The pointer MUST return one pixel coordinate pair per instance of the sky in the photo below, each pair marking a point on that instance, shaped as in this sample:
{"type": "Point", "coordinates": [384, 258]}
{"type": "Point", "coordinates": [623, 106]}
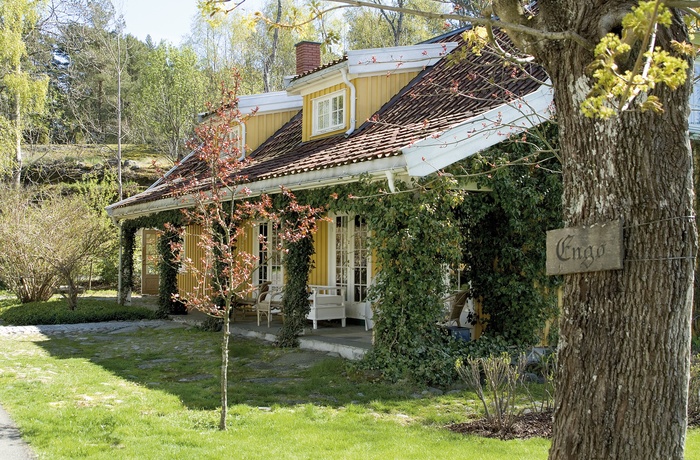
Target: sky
{"type": "Point", "coordinates": [162, 19]}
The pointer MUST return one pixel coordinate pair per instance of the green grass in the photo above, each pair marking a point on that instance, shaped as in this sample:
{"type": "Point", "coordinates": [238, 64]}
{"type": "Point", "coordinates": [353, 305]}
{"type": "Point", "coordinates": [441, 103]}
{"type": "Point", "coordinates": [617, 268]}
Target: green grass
{"type": "Point", "coordinates": [56, 311]}
{"type": "Point", "coordinates": [153, 394]}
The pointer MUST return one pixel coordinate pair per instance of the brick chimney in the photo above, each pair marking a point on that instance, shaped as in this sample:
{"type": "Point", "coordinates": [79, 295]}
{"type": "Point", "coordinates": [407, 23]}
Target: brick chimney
{"type": "Point", "coordinates": [308, 56]}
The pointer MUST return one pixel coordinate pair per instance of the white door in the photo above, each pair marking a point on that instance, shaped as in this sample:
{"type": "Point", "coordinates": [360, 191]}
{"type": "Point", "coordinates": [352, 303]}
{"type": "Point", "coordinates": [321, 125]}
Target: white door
{"type": "Point", "coordinates": [351, 263]}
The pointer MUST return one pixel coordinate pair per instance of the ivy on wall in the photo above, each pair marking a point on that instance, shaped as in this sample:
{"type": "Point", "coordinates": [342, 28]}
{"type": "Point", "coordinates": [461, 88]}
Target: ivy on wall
{"type": "Point", "coordinates": [129, 229]}
{"type": "Point", "coordinates": [295, 300]}
{"type": "Point", "coordinates": [506, 251]}
{"type": "Point", "coordinates": [413, 237]}
{"type": "Point", "coordinates": [128, 235]}
{"type": "Point", "coordinates": [168, 268]}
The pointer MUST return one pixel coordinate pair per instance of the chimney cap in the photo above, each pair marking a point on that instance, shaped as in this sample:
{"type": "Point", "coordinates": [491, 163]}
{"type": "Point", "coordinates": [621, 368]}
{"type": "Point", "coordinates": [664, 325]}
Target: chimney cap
{"type": "Point", "coordinates": [303, 42]}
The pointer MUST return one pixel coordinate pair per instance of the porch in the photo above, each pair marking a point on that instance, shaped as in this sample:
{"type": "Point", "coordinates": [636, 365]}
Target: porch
{"type": "Point", "coordinates": [349, 342]}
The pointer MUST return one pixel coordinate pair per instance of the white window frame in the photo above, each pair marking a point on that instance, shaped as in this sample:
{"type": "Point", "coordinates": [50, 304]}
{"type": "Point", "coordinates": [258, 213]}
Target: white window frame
{"type": "Point", "coordinates": [270, 268]}
{"type": "Point", "coordinates": [235, 140]}
{"type": "Point", "coordinates": [316, 113]}
{"type": "Point", "coordinates": [349, 258]}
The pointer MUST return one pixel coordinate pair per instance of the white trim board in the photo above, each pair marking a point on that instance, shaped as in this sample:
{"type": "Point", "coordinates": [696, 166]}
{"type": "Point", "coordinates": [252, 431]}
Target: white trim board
{"type": "Point", "coordinates": [440, 150]}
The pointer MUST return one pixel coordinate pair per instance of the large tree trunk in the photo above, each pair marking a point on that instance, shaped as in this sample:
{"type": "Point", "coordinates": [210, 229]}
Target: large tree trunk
{"type": "Point", "coordinates": [625, 334]}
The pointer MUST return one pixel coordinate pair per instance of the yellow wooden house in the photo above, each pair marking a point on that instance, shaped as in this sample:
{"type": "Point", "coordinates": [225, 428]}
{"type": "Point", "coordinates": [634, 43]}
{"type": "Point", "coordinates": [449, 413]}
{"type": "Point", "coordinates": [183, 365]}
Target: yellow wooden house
{"type": "Point", "coordinates": [389, 114]}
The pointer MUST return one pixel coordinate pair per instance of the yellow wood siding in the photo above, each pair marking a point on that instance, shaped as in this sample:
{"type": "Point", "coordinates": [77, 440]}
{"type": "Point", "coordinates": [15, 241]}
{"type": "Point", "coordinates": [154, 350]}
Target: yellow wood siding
{"type": "Point", "coordinates": [307, 122]}
{"type": "Point", "coordinates": [373, 92]}
{"type": "Point", "coordinates": [370, 95]}
{"type": "Point", "coordinates": [319, 272]}
{"type": "Point", "coordinates": [260, 127]}
{"type": "Point", "coordinates": [186, 281]}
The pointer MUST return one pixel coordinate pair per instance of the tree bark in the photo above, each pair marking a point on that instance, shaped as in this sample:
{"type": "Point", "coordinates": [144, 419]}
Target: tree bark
{"type": "Point", "coordinates": [225, 337]}
{"type": "Point", "coordinates": [624, 335]}
{"type": "Point", "coordinates": [17, 175]}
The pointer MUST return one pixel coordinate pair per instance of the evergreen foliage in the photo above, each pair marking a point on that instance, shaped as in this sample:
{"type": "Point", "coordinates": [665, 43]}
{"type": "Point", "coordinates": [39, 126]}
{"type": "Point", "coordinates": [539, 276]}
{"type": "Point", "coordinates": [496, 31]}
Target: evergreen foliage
{"type": "Point", "coordinates": [127, 264]}
{"type": "Point", "coordinates": [414, 236]}
{"type": "Point", "coordinates": [168, 267]}
{"type": "Point", "coordinates": [297, 265]}
{"type": "Point", "coordinates": [506, 250]}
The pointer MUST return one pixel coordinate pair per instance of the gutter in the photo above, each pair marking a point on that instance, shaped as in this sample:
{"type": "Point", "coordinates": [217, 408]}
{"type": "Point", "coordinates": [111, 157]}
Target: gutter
{"type": "Point", "coordinates": [343, 174]}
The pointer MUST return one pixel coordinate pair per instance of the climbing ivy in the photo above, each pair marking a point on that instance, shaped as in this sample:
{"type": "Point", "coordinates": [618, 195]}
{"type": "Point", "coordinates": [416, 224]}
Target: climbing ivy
{"type": "Point", "coordinates": [295, 301]}
{"type": "Point", "coordinates": [506, 251]}
{"type": "Point", "coordinates": [414, 236]}
{"type": "Point", "coordinates": [128, 235]}
{"type": "Point", "coordinates": [168, 268]}
{"type": "Point", "coordinates": [129, 229]}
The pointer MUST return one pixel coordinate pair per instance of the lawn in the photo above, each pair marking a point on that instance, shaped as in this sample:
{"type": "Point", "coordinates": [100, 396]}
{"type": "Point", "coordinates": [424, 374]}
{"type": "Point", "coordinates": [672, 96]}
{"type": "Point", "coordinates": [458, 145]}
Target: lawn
{"type": "Point", "coordinates": [153, 394]}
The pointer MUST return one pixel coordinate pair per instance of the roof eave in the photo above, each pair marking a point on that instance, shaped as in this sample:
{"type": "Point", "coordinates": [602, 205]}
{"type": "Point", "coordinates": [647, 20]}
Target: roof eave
{"type": "Point", "coordinates": [440, 150]}
{"type": "Point", "coordinates": [337, 175]}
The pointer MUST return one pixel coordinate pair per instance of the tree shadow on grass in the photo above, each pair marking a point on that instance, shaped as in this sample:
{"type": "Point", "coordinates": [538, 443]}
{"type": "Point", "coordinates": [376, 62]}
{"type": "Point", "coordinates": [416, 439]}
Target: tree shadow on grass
{"type": "Point", "coordinates": [186, 363]}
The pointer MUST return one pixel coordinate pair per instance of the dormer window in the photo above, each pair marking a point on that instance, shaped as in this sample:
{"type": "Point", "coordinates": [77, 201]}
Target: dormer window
{"type": "Point", "coordinates": [329, 113]}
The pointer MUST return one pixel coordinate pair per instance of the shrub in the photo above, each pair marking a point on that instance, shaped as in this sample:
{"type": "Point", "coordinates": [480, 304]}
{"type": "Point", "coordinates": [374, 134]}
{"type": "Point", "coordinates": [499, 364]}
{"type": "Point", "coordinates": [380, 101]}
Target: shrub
{"type": "Point", "coordinates": [211, 324]}
{"type": "Point", "coordinates": [694, 390]}
{"type": "Point", "coordinates": [545, 370]}
{"type": "Point", "coordinates": [57, 312]}
{"type": "Point", "coordinates": [499, 387]}
{"type": "Point", "coordinates": [47, 239]}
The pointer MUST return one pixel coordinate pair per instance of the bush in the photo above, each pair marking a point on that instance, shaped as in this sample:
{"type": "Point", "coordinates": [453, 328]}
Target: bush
{"type": "Point", "coordinates": [47, 240]}
{"type": "Point", "coordinates": [694, 390]}
{"type": "Point", "coordinates": [496, 382]}
{"type": "Point", "coordinates": [57, 312]}
{"type": "Point", "coordinates": [211, 324]}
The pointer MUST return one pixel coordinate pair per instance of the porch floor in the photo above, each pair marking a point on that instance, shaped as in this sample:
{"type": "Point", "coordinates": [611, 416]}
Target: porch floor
{"type": "Point", "coordinates": [350, 342]}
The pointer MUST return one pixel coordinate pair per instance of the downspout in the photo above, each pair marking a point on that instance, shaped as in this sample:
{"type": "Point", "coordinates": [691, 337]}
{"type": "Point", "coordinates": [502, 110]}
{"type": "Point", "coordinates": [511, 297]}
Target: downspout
{"type": "Point", "coordinates": [390, 179]}
{"type": "Point", "coordinates": [346, 80]}
{"type": "Point", "coordinates": [242, 140]}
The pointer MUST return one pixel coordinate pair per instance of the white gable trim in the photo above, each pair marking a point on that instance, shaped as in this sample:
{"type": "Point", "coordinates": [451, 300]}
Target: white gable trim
{"type": "Point", "coordinates": [439, 150]}
{"type": "Point", "coordinates": [373, 61]}
{"type": "Point", "coordinates": [278, 101]}
{"type": "Point", "coordinates": [397, 58]}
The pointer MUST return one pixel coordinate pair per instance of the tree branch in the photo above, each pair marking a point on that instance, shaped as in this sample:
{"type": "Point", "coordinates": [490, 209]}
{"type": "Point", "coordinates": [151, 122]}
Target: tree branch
{"type": "Point", "coordinates": [682, 3]}
{"type": "Point", "coordinates": [518, 28]}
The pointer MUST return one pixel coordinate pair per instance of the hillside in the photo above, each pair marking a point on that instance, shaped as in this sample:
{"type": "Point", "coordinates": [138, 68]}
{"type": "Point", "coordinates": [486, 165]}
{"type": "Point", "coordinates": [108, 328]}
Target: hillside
{"type": "Point", "coordinates": [71, 163]}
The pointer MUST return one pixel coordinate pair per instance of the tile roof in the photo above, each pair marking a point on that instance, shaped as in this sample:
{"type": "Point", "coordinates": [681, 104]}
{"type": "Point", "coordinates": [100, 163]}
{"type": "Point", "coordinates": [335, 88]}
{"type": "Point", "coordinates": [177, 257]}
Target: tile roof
{"type": "Point", "coordinates": [454, 90]}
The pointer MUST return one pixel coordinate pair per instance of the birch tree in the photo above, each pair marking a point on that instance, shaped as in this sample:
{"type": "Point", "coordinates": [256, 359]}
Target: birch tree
{"type": "Point", "coordinates": [21, 92]}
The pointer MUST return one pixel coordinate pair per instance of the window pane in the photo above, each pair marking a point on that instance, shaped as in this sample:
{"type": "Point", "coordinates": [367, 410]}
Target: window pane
{"type": "Point", "coordinates": [323, 117]}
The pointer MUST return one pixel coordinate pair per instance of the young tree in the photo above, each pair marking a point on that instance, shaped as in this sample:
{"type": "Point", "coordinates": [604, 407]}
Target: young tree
{"type": "Point", "coordinates": [220, 205]}
{"type": "Point", "coordinates": [21, 92]}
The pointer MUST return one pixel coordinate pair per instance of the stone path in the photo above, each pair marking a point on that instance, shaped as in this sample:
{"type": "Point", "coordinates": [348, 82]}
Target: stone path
{"type": "Point", "coordinates": [11, 445]}
{"type": "Point", "coordinates": [108, 326]}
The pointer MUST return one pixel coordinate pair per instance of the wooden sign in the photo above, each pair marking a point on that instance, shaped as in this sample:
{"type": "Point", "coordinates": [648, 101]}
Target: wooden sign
{"type": "Point", "coordinates": [585, 249]}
